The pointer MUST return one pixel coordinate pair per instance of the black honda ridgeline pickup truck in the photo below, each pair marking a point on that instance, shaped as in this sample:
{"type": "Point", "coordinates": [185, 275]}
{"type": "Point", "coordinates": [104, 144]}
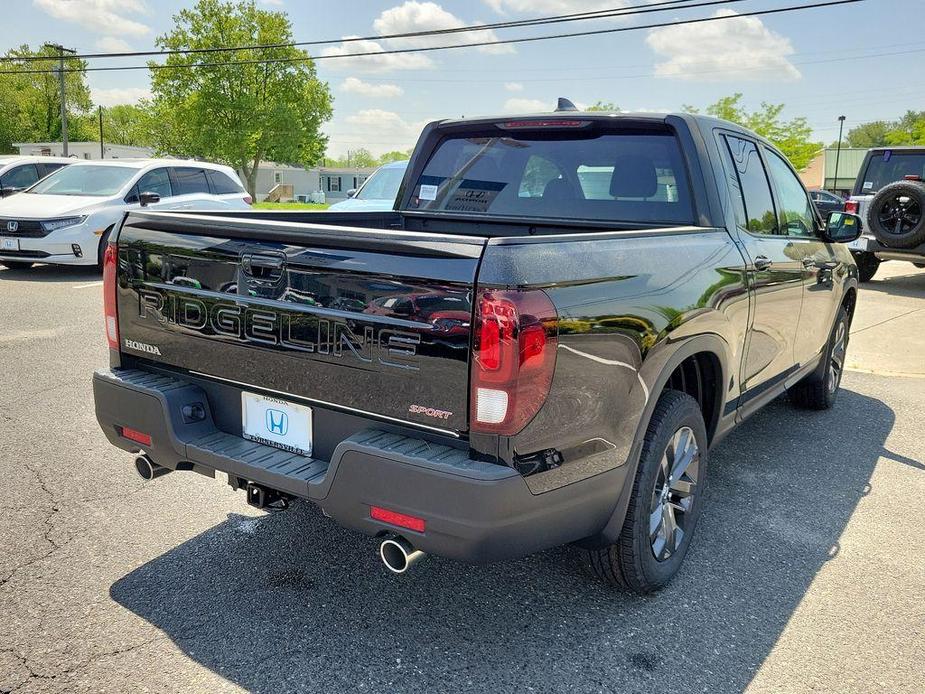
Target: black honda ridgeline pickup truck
{"type": "Point", "coordinates": [540, 344]}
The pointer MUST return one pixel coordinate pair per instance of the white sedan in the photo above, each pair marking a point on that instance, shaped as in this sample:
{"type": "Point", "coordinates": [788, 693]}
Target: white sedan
{"type": "Point", "coordinates": [66, 218]}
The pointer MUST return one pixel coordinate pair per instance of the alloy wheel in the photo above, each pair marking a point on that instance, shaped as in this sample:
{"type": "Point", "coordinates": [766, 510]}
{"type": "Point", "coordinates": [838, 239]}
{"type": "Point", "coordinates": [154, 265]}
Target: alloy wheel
{"type": "Point", "coordinates": [673, 495]}
{"type": "Point", "coordinates": [900, 214]}
{"type": "Point", "coordinates": [837, 360]}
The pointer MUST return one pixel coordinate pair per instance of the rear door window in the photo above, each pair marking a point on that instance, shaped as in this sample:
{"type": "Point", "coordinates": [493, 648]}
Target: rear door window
{"type": "Point", "coordinates": [222, 184]}
{"type": "Point", "coordinates": [190, 181]}
{"type": "Point", "coordinates": [629, 177]}
{"type": "Point", "coordinates": [756, 213]}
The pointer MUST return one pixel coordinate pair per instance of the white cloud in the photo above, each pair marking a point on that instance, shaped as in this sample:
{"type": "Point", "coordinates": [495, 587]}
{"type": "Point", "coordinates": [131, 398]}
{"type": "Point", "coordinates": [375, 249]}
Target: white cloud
{"type": "Point", "coordinates": [415, 16]}
{"type": "Point", "coordinates": [514, 86]}
{"type": "Point", "coordinates": [118, 95]}
{"type": "Point", "coordinates": [375, 63]}
{"type": "Point", "coordinates": [373, 129]}
{"type": "Point", "coordinates": [376, 91]}
{"type": "Point", "coordinates": [110, 44]}
{"type": "Point", "coordinates": [412, 16]}
{"type": "Point", "coordinates": [519, 105]}
{"type": "Point", "coordinates": [100, 16]}
{"type": "Point", "coordinates": [275, 3]}
{"type": "Point", "coordinates": [741, 49]}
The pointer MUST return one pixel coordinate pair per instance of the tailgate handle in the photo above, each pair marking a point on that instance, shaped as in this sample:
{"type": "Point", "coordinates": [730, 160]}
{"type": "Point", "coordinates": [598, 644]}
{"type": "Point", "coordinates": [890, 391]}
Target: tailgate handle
{"type": "Point", "coordinates": [263, 266]}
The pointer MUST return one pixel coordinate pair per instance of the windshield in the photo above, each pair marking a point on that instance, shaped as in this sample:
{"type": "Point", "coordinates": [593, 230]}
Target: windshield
{"type": "Point", "coordinates": [85, 180]}
{"type": "Point", "coordinates": [890, 166]}
{"type": "Point", "coordinates": [618, 177]}
{"type": "Point", "coordinates": [382, 185]}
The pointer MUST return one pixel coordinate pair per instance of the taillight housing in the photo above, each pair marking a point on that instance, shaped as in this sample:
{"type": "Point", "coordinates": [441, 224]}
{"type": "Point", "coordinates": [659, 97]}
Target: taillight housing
{"type": "Point", "coordinates": [513, 358]}
{"type": "Point", "coordinates": [852, 206]}
{"type": "Point", "coordinates": [110, 269]}
{"type": "Point", "coordinates": [248, 200]}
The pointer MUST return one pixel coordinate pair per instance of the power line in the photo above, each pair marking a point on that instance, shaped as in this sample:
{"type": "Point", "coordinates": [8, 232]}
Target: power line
{"type": "Point", "coordinates": [661, 6]}
{"type": "Point", "coordinates": [427, 49]}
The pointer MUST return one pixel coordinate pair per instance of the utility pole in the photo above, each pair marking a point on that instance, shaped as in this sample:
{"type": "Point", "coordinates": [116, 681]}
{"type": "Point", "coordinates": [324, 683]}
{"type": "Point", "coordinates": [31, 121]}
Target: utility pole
{"type": "Point", "coordinates": [100, 111]}
{"type": "Point", "coordinates": [841, 125]}
{"type": "Point", "coordinates": [61, 86]}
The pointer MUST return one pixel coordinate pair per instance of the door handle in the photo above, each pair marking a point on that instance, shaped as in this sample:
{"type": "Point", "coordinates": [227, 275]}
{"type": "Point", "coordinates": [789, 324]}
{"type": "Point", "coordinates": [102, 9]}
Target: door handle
{"type": "Point", "coordinates": [763, 262]}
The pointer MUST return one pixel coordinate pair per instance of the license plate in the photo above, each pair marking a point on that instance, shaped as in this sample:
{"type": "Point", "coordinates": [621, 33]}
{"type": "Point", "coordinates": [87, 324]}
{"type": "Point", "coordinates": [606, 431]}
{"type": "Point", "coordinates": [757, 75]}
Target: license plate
{"type": "Point", "coordinates": [859, 244]}
{"type": "Point", "coordinates": [278, 423]}
{"type": "Point", "coordinates": [9, 244]}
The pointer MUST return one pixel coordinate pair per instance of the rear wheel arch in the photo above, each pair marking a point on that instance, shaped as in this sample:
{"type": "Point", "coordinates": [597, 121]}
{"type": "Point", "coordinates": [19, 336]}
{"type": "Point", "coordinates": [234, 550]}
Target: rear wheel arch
{"type": "Point", "coordinates": [707, 350]}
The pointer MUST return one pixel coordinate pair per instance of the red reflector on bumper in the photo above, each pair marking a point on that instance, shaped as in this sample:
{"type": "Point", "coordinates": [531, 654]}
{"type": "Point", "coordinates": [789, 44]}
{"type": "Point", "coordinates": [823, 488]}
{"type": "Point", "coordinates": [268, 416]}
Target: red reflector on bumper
{"type": "Point", "coordinates": [136, 436]}
{"type": "Point", "coordinates": [395, 518]}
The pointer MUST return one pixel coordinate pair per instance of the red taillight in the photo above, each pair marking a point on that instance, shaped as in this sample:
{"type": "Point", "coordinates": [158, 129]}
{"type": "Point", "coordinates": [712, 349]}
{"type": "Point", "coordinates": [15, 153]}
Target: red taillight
{"type": "Point", "coordinates": [912, 177]}
{"type": "Point", "coordinates": [519, 124]}
{"type": "Point", "coordinates": [513, 359]}
{"type": "Point", "coordinates": [852, 206]}
{"type": "Point", "coordinates": [110, 267]}
{"type": "Point", "coordinates": [248, 199]}
{"type": "Point", "coordinates": [136, 436]}
{"type": "Point", "coordinates": [395, 518]}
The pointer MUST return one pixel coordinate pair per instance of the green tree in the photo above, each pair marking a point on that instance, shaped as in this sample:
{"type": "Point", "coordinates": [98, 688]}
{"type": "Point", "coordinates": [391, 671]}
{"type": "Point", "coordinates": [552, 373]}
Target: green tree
{"type": "Point", "coordinates": [30, 100]}
{"type": "Point", "coordinates": [868, 135]}
{"type": "Point", "coordinates": [792, 137]}
{"type": "Point", "coordinates": [245, 113]}
{"type": "Point", "coordinates": [127, 124]}
{"type": "Point", "coordinates": [603, 106]}
{"type": "Point", "coordinates": [395, 156]}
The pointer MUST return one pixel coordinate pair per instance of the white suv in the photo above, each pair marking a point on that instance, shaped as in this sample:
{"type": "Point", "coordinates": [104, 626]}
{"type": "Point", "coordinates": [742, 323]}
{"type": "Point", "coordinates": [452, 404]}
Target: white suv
{"type": "Point", "coordinates": [66, 218]}
{"type": "Point", "coordinates": [18, 173]}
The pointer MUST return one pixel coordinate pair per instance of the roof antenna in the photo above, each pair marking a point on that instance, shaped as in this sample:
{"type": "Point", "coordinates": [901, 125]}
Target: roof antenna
{"type": "Point", "coordinates": [565, 105]}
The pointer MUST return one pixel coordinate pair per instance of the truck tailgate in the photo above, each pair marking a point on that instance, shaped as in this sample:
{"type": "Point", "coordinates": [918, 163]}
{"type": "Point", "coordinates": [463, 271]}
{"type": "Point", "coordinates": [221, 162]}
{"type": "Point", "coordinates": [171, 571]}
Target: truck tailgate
{"type": "Point", "coordinates": [369, 321]}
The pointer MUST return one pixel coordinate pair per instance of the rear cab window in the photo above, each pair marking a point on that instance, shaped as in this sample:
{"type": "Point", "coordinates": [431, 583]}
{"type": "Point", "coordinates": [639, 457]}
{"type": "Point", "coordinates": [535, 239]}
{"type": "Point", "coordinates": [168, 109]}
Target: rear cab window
{"type": "Point", "coordinates": [888, 166]}
{"type": "Point", "coordinates": [589, 172]}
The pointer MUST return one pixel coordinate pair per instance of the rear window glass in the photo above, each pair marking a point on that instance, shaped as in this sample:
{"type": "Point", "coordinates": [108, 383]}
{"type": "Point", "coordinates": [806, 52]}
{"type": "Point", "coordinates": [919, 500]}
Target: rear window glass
{"type": "Point", "coordinates": [888, 167]}
{"type": "Point", "coordinates": [631, 177]}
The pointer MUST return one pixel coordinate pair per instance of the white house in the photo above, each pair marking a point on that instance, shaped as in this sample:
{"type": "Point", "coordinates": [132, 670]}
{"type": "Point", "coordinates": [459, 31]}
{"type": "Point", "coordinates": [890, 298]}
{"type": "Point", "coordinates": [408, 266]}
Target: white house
{"type": "Point", "coordinates": [309, 185]}
{"type": "Point", "coordinates": [83, 150]}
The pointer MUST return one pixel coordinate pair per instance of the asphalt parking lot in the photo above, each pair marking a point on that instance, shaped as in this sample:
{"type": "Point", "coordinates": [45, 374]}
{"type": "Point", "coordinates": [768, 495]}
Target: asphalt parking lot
{"type": "Point", "coordinates": [807, 573]}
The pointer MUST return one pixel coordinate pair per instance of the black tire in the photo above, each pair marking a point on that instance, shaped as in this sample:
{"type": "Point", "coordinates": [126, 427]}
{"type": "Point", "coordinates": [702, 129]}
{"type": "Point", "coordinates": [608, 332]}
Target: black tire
{"type": "Point", "coordinates": [896, 215]}
{"type": "Point", "coordinates": [16, 264]}
{"type": "Point", "coordinates": [867, 264]}
{"type": "Point", "coordinates": [819, 390]}
{"type": "Point", "coordinates": [631, 561]}
{"type": "Point", "coordinates": [101, 249]}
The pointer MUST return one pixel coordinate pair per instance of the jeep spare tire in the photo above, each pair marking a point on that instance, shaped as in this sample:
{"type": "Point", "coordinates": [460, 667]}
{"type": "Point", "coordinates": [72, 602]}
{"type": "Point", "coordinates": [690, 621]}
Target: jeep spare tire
{"type": "Point", "coordinates": [895, 215]}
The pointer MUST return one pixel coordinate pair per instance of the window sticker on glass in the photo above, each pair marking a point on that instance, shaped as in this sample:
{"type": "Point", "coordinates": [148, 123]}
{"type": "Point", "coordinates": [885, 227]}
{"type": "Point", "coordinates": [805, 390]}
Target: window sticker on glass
{"type": "Point", "coordinates": [868, 185]}
{"type": "Point", "coordinates": [474, 196]}
{"type": "Point", "coordinates": [428, 193]}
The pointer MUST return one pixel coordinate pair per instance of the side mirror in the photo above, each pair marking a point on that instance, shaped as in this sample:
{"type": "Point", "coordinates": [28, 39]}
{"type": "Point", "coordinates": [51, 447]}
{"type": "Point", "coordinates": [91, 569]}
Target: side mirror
{"type": "Point", "coordinates": [351, 193]}
{"type": "Point", "coordinates": [148, 199]}
{"type": "Point", "coordinates": [841, 227]}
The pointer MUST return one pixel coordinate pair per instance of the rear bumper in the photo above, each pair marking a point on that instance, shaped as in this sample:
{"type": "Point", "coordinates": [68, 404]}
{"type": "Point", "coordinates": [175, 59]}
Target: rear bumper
{"type": "Point", "coordinates": [475, 511]}
{"type": "Point", "coordinates": [912, 255]}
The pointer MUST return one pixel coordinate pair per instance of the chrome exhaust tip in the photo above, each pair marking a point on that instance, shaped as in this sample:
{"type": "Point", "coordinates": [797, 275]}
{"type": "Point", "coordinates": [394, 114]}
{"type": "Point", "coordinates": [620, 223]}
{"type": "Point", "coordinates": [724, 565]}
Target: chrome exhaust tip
{"type": "Point", "coordinates": [148, 469]}
{"type": "Point", "coordinates": [398, 554]}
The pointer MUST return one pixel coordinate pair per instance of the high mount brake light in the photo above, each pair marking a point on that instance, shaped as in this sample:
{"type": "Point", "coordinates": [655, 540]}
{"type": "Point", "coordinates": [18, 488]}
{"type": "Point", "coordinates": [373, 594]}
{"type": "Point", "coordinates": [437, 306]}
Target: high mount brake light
{"type": "Point", "coordinates": [514, 358]}
{"type": "Point", "coordinates": [110, 268]}
{"type": "Point", "coordinates": [518, 124]}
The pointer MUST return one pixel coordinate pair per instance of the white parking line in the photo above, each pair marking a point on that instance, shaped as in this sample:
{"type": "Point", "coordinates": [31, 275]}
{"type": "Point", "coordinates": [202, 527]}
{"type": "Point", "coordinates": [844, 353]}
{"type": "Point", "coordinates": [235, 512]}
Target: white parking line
{"type": "Point", "coordinates": [87, 286]}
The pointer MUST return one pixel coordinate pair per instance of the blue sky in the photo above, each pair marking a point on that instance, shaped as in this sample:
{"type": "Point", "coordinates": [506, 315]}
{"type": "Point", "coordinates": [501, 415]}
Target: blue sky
{"type": "Point", "coordinates": [863, 60]}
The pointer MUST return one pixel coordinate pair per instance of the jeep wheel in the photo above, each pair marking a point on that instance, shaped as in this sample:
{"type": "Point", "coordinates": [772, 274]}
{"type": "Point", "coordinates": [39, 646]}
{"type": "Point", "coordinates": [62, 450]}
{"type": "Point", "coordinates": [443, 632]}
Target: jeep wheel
{"type": "Point", "coordinates": [867, 264]}
{"type": "Point", "coordinates": [896, 215]}
{"type": "Point", "coordinates": [15, 264]}
{"type": "Point", "coordinates": [819, 390]}
{"type": "Point", "coordinates": [665, 503]}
